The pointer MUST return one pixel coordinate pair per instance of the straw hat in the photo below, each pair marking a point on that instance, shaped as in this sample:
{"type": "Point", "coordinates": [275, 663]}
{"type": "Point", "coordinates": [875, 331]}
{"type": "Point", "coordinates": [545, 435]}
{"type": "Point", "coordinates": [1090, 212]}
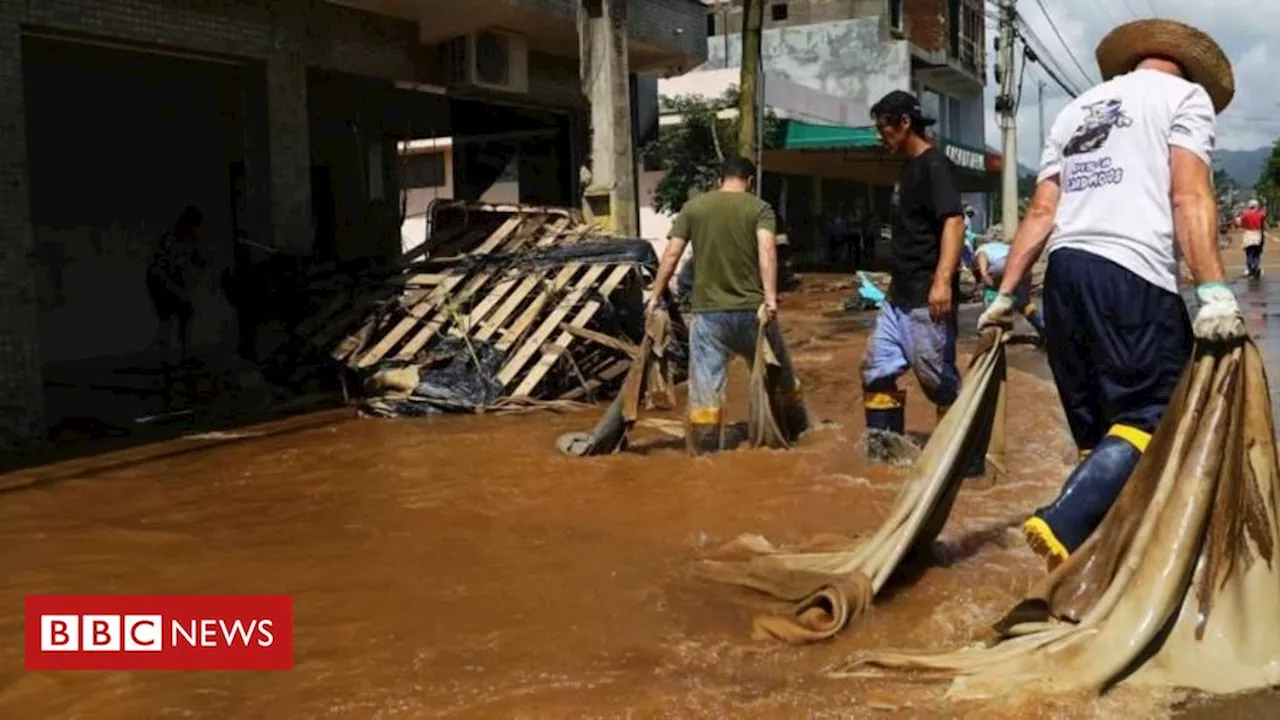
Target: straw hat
{"type": "Point", "coordinates": [1204, 62]}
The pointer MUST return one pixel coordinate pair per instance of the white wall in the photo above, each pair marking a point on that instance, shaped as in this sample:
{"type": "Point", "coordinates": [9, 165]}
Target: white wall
{"type": "Point", "coordinates": [413, 231]}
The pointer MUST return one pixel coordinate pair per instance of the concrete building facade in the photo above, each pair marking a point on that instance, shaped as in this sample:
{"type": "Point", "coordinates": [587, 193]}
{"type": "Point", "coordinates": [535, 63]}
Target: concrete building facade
{"type": "Point", "coordinates": [280, 119]}
{"type": "Point", "coordinates": [847, 54]}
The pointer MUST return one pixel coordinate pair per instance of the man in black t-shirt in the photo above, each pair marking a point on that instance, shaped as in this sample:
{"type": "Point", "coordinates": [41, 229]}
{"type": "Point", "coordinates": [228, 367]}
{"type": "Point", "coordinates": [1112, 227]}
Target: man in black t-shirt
{"type": "Point", "coordinates": [916, 328]}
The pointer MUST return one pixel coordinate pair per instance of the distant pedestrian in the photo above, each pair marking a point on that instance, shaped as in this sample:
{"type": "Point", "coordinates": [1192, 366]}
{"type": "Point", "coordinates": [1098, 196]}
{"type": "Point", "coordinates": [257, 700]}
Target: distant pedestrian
{"type": "Point", "coordinates": [1253, 221]}
{"type": "Point", "coordinates": [989, 266]}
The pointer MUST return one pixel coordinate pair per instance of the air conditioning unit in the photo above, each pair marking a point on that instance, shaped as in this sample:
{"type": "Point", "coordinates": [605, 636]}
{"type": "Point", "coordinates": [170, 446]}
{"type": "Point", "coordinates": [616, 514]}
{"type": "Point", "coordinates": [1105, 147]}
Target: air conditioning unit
{"type": "Point", "coordinates": [489, 59]}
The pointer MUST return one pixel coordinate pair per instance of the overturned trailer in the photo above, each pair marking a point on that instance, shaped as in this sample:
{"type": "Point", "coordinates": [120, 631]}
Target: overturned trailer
{"type": "Point", "coordinates": [503, 307]}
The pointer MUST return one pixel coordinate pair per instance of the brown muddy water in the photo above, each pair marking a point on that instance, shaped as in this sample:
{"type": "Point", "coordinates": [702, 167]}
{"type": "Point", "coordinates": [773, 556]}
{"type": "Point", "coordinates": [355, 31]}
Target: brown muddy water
{"type": "Point", "coordinates": [460, 567]}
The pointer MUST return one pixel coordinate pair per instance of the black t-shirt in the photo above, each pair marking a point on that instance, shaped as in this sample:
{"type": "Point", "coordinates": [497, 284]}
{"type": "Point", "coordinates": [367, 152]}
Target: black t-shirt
{"type": "Point", "coordinates": [925, 196]}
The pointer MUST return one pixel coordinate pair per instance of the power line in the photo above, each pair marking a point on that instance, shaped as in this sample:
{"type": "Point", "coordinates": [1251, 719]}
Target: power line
{"type": "Point", "coordinates": [1054, 27]}
{"type": "Point", "coordinates": [1046, 59]}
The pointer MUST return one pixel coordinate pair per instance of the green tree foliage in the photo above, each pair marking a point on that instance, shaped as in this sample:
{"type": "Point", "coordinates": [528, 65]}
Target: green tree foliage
{"type": "Point", "coordinates": [1268, 185]}
{"type": "Point", "coordinates": [690, 153]}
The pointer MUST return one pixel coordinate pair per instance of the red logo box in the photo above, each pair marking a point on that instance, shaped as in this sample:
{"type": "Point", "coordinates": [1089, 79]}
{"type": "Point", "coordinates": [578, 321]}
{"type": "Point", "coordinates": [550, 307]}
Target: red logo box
{"type": "Point", "coordinates": [159, 632]}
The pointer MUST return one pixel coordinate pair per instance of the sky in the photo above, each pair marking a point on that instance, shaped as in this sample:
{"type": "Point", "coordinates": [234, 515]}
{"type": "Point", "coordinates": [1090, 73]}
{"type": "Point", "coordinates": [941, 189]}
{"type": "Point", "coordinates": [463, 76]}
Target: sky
{"type": "Point", "coordinates": [1241, 27]}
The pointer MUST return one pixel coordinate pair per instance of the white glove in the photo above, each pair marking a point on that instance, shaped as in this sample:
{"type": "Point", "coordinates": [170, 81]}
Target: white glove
{"type": "Point", "coordinates": [1219, 318]}
{"type": "Point", "coordinates": [998, 314]}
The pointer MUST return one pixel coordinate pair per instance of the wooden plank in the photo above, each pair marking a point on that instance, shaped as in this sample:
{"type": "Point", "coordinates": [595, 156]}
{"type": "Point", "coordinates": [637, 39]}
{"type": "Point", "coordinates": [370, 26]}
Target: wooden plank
{"type": "Point", "coordinates": [588, 311]}
{"type": "Point", "coordinates": [488, 327]}
{"type": "Point", "coordinates": [443, 316]}
{"type": "Point", "coordinates": [553, 236]}
{"type": "Point", "coordinates": [580, 288]}
{"type": "Point", "coordinates": [437, 297]}
{"type": "Point", "coordinates": [608, 341]}
{"type": "Point", "coordinates": [613, 372]}
{"type": "Point", "coordinates": [564, 281]}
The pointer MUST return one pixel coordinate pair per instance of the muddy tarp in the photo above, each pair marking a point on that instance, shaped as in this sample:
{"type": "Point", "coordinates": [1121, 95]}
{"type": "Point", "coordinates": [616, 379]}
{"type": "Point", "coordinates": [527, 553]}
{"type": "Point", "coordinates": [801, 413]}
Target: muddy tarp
{"type": "Point", "coordinates": [777, 414]}
{"type": "Point", "coordinates": [610, 433]}
{"type": "Point", "coordinates": [835, 579]}
{"type": "Point", "coordinates": [1179, 584]}
{"type": "Point", "coordinates": [777, 418]}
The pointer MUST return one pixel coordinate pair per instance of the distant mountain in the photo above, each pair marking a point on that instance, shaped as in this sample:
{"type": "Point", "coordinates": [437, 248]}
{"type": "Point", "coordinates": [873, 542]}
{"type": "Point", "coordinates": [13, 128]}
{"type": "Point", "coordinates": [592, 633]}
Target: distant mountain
{"type": "Point", "coordinates": [1244, 166]}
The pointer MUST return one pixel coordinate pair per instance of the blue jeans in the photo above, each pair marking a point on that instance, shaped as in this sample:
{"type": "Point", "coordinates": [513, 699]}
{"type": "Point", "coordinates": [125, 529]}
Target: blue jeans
{"type": "Point", "coordinates": [714, 338]}
{"type": "Point", "coordinates": [910, 340]}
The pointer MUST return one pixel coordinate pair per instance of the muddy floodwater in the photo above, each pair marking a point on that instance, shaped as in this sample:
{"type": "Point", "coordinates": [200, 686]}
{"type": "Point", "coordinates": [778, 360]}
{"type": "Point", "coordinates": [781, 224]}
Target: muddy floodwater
{"type": "Point", "coordinates": [460, 567]}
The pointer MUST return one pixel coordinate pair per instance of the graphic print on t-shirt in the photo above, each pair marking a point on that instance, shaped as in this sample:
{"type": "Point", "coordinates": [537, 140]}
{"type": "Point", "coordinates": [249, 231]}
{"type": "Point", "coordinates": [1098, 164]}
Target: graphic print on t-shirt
{"type": "Point", "coordinates": [1093, 134]}
{"type": "Point", "coordinates": [1089, 137]}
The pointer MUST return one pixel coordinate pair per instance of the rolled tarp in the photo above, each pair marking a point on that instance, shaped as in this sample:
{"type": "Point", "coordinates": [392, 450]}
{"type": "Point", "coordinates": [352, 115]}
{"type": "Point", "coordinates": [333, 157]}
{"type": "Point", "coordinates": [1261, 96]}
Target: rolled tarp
{"type": "Point", "coordinates": [610, 433]}
{"type": "Point", "coordinates": [777, 415]}
{"type": "Point", "coordinates": [833, 580]}
{"type": "Point", "coordinates": [1179, 584]}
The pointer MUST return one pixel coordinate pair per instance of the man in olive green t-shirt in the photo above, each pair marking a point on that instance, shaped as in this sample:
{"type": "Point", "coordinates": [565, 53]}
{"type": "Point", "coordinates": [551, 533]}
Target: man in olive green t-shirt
{"type": "Point", "coordinates": [735, 257]}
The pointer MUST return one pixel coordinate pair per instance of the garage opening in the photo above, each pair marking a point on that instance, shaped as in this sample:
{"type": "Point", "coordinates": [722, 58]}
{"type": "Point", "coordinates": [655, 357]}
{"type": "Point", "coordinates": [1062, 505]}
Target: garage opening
{"type": "Point", "coordinates": [120, 141]}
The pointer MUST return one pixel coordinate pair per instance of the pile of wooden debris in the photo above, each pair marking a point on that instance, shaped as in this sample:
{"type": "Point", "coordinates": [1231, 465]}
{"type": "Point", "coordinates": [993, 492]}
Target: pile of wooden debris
{"type": "Point", "coordinates": [503, 307]}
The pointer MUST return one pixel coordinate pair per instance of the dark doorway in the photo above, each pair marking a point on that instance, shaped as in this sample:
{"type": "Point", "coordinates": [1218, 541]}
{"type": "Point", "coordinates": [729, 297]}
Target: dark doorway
{"type": "Point", "coordinates": [119, 142]}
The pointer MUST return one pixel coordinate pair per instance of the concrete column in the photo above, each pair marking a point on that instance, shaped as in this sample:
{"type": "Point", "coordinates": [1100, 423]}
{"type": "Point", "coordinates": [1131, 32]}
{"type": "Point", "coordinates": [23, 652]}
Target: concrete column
{"type": "Point", "coordinates": [287, 123]}
{"type": "Point", "coordinates": [605, 73]}
{"type": "Point", "coordinates": [21, 381]}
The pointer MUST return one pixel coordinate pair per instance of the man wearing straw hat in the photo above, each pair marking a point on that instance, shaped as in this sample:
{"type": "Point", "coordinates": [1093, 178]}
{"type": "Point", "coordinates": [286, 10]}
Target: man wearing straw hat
{"type": "Point", "coordinates": [1124, 191]}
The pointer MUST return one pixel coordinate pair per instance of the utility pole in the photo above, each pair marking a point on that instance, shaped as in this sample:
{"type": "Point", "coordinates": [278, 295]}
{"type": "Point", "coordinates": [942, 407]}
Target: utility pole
{"type": "Point", "coordinates": [1040, 107]}
{"type": "Point", "coordinates": [605, 73]}
{"type": "Point", "coordinates": [748, 98]}
{"type": "Point", "coordinates": [1006, 106]}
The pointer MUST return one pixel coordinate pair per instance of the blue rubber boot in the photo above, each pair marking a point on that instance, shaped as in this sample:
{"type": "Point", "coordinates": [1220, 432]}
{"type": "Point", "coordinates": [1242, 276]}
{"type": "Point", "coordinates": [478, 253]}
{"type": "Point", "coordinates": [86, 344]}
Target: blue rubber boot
{"type": "Point", "coordinates": [1060, 528]}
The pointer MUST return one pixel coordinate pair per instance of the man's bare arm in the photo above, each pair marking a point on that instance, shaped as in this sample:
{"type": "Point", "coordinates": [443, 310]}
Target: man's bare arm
{"type": "Point", "coordinates": [767, 251]}
{"type": "Point", "coordinates": [1032, 234]}
{"type": "Point", "coordinates": [1195, 215]}
{"type": "Point", "coordinates": [949, 253]}
{"type": "Point", "coordinates": [984, 267]}
{"type": "Point", "coordinates": [667, 268]}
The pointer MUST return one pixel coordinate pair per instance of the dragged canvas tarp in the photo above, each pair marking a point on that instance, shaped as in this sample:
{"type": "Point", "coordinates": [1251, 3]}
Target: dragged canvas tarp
{"type": "Point", "coordinates": [610, 433]}
{"type": "Point", "coordinates": [777, 416]}
{"type": "Point", "coordinates": [835, 579]}
{"type": "Point", "coordinates": [1179, 585]}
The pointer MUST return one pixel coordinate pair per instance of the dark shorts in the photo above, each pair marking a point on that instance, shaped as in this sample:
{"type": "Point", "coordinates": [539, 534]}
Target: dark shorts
{"type": "Point", "coordinates": [1117, 344]}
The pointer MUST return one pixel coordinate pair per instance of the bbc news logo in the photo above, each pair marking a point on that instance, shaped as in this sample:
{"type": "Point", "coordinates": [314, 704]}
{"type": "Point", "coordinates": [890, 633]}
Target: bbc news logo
{"type": "Point", "coordinates": [159, 632]}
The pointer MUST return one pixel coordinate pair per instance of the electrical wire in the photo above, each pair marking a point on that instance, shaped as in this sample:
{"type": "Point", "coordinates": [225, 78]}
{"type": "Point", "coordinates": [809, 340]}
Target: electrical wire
{"type": "Point", "coordinates": [1054, 27]}
{"type": "Point", "coordinates": [1041, 49]}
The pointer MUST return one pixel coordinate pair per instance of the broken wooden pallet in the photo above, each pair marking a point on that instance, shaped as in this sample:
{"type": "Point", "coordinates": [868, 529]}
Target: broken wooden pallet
{"type": "Point", "coordinates": [498, 287]}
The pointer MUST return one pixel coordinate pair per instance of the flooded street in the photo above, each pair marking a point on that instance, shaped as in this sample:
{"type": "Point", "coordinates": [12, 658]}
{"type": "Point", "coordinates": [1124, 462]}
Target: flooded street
{"type": "Point", "coordinates": [461, 567]}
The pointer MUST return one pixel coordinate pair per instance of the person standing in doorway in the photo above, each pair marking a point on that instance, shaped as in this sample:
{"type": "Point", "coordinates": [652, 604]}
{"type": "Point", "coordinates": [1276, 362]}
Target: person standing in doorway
{"type": "Point", "coordinates": [170, 279]}
{"type": "Point", "coordinates": [916, 328]}
{"type": "Point", "coordinates": [735, 282]}
{"type": "Point", "coordinates": [1253, 222]}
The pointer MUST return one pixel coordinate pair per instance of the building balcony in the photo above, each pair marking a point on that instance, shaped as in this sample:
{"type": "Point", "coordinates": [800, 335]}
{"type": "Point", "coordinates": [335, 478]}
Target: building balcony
{"type": "Point", "coordinates": [668, 37]}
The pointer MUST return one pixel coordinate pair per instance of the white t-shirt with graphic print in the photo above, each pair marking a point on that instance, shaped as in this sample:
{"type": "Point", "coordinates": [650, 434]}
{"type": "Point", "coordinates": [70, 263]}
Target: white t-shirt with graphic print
{"type": "Point", "coordinates": [1110, 151]}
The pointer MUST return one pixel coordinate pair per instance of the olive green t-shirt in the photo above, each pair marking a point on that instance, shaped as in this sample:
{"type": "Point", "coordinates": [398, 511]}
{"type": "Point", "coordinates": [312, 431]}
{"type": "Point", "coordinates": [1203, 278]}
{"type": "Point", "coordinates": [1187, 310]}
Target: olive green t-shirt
{"type": "Point", "coordinates": [726, 265]}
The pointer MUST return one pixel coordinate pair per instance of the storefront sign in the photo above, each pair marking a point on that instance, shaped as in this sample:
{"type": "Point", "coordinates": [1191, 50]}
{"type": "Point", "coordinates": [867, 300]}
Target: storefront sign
{"type": "Point", "coordinates": [965, 158]}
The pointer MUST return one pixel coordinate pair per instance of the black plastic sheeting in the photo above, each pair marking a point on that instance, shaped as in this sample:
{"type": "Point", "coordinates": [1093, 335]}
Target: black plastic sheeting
{"type": "Point", "coordinates": [614, 251]}
{"type": "Point", "coordinates": [453, 381]}
{"type": "Point", "coordinates": [455, 384]}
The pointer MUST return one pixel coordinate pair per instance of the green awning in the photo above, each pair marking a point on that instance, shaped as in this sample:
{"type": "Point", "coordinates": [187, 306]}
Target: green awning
{"type": "Point", "coordinates": [810, 136]}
